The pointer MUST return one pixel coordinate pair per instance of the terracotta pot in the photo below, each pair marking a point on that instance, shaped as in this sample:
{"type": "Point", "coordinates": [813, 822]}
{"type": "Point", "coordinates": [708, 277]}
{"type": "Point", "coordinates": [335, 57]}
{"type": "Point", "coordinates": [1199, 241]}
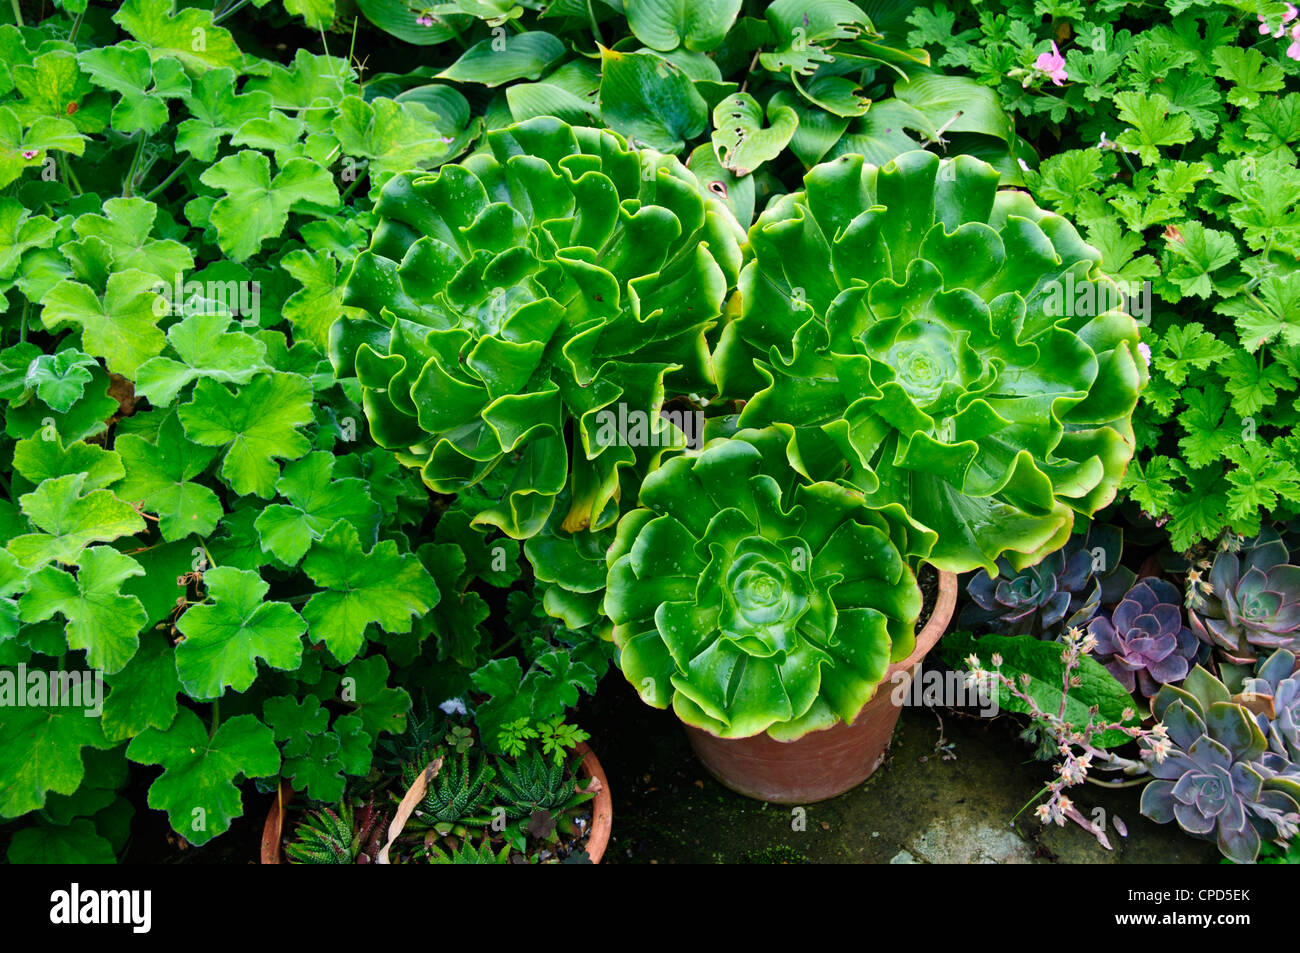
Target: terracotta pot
{"type": "Point", "coordinates": [602, 814]}
{"type": "Point", "coordinates": [823, 763]}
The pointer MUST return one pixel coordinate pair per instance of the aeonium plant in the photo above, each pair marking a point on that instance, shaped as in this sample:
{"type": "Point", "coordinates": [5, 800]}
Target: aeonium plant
{"type": "Point", "coordinates": [518, 313]}
{"type": "Point", "coordinates": [751, 599]}
{"type": "Point", "coordinates": [956, 345]}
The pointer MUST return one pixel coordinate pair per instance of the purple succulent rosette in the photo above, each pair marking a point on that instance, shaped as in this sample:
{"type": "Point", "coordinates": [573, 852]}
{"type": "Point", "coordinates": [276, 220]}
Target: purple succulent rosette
{"type": "Point", "coordinates": [1062, 591]}
{"type": "Point", "coordinates": [1209, 773]}
{"type": "Point", "coordinates": [1252, 602]}
{"type": "Point", "coordinates": [1144, 642]}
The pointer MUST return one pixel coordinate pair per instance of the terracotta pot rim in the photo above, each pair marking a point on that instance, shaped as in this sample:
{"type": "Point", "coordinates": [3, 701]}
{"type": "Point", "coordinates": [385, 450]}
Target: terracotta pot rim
{"type": "Point", "coordinates": [935, 628]}
{"type": "Point", "coordinates": [602, 813]}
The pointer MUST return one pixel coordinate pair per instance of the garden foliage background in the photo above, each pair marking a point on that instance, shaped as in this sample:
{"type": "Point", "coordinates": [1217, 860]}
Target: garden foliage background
{"type": "Point", "coordinates": [193, 505]}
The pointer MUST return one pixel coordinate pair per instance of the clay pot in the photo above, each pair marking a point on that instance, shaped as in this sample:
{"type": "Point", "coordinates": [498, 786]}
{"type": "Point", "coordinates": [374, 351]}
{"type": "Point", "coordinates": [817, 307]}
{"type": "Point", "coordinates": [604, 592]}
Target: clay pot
{"type": "Point", "coordinates": [821, 764]}
{"type": "Point", "coordinates": [602, 814]}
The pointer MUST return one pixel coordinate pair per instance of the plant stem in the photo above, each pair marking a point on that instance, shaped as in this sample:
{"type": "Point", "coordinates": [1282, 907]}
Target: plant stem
{"type": "Point", "coordinates": [18, 14]}
{"type": "Point", "coordinates": [128, 187]}
{"type": "Point", "coordinates": [76, 27]}
{"type": "Point", "coordinates": [227, 12]}
{"type": "Point", "coordinates": [216, 719]}
{"type": "Point", "coordinates": [161, 186]}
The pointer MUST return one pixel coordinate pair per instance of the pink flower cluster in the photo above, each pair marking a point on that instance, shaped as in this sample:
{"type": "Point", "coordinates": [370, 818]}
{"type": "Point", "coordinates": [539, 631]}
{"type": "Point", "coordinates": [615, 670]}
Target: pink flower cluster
{"type": "Point", "coordinates": [1293, 50]}
{"type": "Point", "coordinates": [1053, 64]}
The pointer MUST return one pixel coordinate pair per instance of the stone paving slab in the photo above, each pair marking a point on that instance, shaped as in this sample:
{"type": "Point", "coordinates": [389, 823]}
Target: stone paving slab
{"type": "Point", "coordinates": [920, 807]}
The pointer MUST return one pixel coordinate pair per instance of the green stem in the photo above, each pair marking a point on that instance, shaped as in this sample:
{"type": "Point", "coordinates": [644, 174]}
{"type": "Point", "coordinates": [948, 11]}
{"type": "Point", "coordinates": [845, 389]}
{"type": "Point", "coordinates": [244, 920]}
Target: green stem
{"type": "Point", "coordinates": [128, 187]}
{"type": "Point", "coordinates": [595, 27]}
{"type": "Point", "coordinates": [160, 187]}
{"type": "Point", "coordinates": [76, 27]}
{"type": "Point", "coordinates": [227, 12]}
{"type": "Point", "coordinates": [348, 191]}
{"type": "Point", "coordinates": [216, 719]}
{"type": "Point", "coordinates": [18, 14]}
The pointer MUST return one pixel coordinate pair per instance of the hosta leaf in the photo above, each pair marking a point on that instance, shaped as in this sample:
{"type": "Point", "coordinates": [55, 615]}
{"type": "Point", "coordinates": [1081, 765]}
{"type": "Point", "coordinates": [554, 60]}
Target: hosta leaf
{"type": "Point", "coordinates": [197, 787]}
{"type": "Point", "coordinates": [667, 24]}
{"type": "Point", "coordinates": [159, 475]}
{"type": "Point", "coordinates": [121, 327]}
{"type": "Point", "coordinates": [207, 348]}
{"type": "Point", "coordinates": [741, 141]}
{"type": "Point", "coordinates": [226, 636]}
{"type": "Point", "coordinates": [257, 425]}
{"type": "Point", "coordinates": [70, 520]}
{"type": "Point", "coordinates": [650, 100]}
{"type": "Point", "coordinates": [502, 59]}
{"type": "Point", "coordinates": [384, 586]}
{"type": "Point", "coordinates": [102, 621]}
{"type": "Point", "coordinates": [256, 207]}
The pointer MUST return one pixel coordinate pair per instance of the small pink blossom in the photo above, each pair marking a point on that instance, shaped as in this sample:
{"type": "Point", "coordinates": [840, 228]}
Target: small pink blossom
{"type": "Point", "coordinates": [1053, 64]}
{"type": "Point", "coordinates": [30, 153]}
{"type": "Point", "coordinates": [1293, 50]}
{"type": "Point", "coordinates": [424, 20]}
{"type": "Point", "coordinates": [1145, 350]}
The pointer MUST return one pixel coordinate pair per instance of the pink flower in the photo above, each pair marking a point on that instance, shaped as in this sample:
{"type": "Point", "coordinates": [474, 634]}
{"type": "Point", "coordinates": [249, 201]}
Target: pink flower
{"type": "Point", "coordinates": [1053, 64]}
{"type": "Point", "coordinates": [1145, 350]}
{"type": "Point", "coordinates": [1291, 14]}
{"type": "Point", "coordinates": [30, 153]}
{"type": "Point", "coordinates": [1293, 50]}
{"type": "Point", "coordinates": [424, 20]}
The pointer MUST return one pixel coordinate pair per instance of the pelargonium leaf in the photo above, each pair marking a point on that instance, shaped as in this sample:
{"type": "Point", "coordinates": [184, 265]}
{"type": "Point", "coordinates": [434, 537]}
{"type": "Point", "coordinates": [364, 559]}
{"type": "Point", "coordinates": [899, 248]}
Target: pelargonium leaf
{"type": "Point", "coordinates": [226, 637]}
{"type": "Point", "coordinates": [197, 786]}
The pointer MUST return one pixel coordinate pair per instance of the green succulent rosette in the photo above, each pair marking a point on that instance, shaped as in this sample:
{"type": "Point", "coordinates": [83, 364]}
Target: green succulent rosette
{"type": "Point", "coordinates": [752, 600]}
{"type": "Point", "coordinates": [956, 345]}
{"type": "Point", "coordinates": [507, 301]}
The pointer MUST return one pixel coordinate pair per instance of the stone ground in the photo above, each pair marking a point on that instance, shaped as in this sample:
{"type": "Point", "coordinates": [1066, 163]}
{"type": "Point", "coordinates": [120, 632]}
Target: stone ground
{"type": "Point", "coordinates": [919, 807]}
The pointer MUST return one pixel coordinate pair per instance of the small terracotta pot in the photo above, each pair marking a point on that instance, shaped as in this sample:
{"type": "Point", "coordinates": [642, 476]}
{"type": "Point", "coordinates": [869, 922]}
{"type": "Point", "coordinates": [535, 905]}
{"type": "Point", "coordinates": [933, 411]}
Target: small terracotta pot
{"type": "Point", "coordinates": [602, 814]}
{"type": "Point", "coordinates": [821, 764]}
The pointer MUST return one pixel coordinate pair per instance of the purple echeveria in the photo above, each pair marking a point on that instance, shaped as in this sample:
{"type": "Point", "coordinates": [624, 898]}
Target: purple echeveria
{"type": "Point", "coordinates": [1144, 642]}
{"type": "Point", "coordinates": [1252, 602]}
{"type": "Point", "coordinates": [1208, 773]}
{"type": "Point", "coordinates": [1064, 590]}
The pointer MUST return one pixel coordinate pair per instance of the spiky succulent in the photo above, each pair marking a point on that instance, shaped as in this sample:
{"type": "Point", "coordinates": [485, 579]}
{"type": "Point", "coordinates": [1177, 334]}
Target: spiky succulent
{"type": "Point", "coordinates": [507, 301]}
{"type": "Point", "coordinates": [751, 600]}
{"type": "Point", "coordinates": [460, 793]}
{"type": "Point", "coordinates": [1062, 591]}
{"type": "Point", "coordinates": [1210, 778]}
{"type": "Point", "coordinates": [327, 836]}
{"type": "Point", "coordinates": [1143, 641]}
{"type": "Point", "coordinates": [1250, 602]}
{"type": "Point", "coordinates": [466, 853]}
{"type": "Point", "coordinates": [533, 782]}
{"type": "Point", "coordinates": [925, 327]}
